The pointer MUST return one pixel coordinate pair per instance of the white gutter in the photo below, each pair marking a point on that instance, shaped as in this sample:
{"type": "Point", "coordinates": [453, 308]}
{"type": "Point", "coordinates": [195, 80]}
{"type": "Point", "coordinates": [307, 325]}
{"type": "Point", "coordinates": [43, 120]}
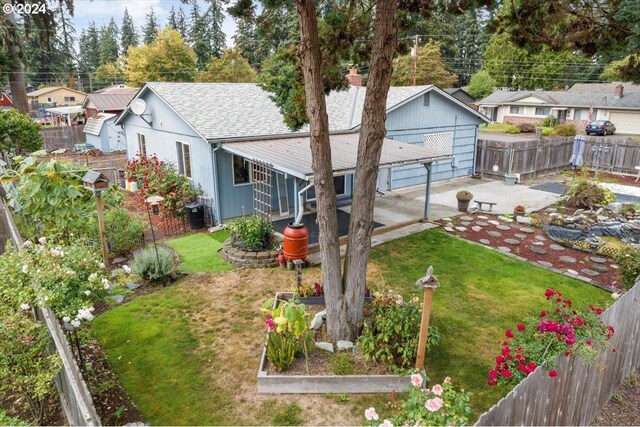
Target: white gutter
{"type": "Point", "coordinates": [300, 205]}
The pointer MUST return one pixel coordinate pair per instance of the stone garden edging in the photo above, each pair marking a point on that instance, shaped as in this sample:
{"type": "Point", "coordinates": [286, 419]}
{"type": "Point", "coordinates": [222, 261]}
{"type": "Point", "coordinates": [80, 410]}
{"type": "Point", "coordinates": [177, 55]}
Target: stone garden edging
{"type": "Point", "coordinates": [248, 259]}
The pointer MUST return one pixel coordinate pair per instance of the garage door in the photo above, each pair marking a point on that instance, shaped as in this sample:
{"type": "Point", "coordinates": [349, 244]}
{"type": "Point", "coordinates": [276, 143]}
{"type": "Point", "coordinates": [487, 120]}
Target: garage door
{"type": "Point", "coordinates": [626, 122]}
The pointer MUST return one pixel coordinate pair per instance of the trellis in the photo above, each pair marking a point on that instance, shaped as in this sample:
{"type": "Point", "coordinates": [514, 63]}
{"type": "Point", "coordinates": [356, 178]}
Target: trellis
{"type": "Point", "coordinates": [261, 174]}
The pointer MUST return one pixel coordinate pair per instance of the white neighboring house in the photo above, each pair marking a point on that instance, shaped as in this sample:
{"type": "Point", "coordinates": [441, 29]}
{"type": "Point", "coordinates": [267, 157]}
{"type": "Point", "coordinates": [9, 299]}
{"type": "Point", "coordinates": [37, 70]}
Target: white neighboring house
{"type": "Point", "coordinates": [579, 105]}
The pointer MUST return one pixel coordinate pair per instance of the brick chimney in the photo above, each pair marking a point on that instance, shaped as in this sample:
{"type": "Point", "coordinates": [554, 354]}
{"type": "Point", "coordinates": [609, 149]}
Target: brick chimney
{"type": "Point", "coordinates": [354, 78]}
{"type": "Point", "coordinates": [619, 92]}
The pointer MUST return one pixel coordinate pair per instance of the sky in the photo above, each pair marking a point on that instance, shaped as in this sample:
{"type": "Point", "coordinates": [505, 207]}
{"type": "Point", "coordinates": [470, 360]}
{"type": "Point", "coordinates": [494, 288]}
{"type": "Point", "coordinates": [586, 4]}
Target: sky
{"type": "Point", "coordinates": [101, 12]}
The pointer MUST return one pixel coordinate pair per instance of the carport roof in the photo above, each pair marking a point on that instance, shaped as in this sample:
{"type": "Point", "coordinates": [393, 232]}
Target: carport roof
{"type": "Point", "coordinates": [293, 155]}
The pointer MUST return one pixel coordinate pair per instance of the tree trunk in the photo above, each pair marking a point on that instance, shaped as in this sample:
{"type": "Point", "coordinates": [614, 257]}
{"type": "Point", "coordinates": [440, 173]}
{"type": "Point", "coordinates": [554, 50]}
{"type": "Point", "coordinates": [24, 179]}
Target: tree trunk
{"type": "Point", "coordinates": [369, 150]}
{"type": "Point", "coordinates": [16, 75]}
{"type": "Point", "coordinates": [311, 60]}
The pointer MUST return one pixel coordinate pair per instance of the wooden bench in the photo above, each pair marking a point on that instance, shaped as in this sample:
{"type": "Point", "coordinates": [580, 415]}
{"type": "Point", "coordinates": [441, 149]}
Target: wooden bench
{"type": "Point", "coordinates": [480, 204]}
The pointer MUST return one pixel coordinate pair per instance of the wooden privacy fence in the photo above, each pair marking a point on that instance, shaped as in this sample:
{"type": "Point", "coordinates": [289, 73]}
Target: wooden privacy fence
{"type": "Point", "coordinates": [62, 137]}
{"type": "Point", "coordinates": [578, 393]}
{"type": "Point", "coordinates": [530, 157]}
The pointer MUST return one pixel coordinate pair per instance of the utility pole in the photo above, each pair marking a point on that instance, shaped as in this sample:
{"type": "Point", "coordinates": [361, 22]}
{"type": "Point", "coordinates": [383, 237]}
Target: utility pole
{"type": "Point", "coordinates": [90, 82]}
{"type": "Point", "coordinates": [415, 58]}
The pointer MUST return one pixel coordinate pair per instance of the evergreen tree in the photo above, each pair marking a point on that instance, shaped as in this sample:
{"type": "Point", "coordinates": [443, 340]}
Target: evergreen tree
{"type": "Point", "coordinates": [471, 39]}
{"type": "Point", "coordinates": [109, 42]}
{"type": "Point", "coordinates": [231, 67]}
{"type": "Point", "coordinates": [44, 66]}
{"type": "Point", "coordinates": [150, 30]}
{"type": "Point", "coordinates": [172, 22]}
{"type": "Point", "coordinates": [181, 24]}
{"type": "Point", "coordinates": [213, 19]}
{"type": "Point", "coordinates": [430, 69]}
{"type": "Point", "coordinates": [246, 39]}
{"type": "Point", "coordinates": [90, 48]}
{"type": "Point", "coordinates": [481, 85]}
{"type": "Point", "coordinates": [128, 36]}
{"type": "Point", "coordinates": [198, 39]}
{"type": "Point", "coordinates": [65, 47]}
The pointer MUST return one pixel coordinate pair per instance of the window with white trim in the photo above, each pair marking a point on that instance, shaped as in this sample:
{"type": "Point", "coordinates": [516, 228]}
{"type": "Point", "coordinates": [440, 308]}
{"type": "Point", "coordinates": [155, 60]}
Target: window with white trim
{"type": "Point", "coordinates": [543, 111]}
{"type": "Point", "coordinates": [184, 158]}
{"type": "Point", "coordinates": [516, 110]}
{"type": "Point", "coordinates": [69, 99]}
{"type": "Point", "coordinates": [142, 145]}
{"type": "Point", "coordinates": [241, 171]}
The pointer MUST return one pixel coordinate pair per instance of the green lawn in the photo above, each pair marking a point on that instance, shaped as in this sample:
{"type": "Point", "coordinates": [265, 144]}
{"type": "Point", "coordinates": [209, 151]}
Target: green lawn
{"type": "Point", "coordinates": [188, 354]}
{"type": "Point", "coordinates": [199, 252]}
{"type": "Point", "coordinates": [482, 293]}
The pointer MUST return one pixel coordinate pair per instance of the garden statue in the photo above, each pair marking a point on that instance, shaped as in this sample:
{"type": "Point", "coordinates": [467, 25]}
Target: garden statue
{"type": "Point", "coordinates": [428, 283]}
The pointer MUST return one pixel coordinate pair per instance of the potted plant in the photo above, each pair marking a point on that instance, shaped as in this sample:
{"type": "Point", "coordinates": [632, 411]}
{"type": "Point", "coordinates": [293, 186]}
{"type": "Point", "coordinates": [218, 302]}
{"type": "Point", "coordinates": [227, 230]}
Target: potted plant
{"type": "Point", "coordinates": [519, 210]}
{"type": "Point", "coordinates": [464, 197]}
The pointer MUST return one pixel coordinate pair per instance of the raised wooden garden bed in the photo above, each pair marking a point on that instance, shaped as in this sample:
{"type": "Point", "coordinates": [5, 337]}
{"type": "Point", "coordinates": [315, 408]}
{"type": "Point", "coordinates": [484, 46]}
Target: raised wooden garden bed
{"type": "Point", "coordinates": [275, 383]}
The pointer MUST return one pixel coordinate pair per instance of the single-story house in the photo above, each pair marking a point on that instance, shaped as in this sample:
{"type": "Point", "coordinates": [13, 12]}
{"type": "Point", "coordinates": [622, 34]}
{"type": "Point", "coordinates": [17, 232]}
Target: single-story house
{"type": "Point", "coordinates": [101, 132]}
{"type": "Point", "coordinates": [5, 101]}
{"type": "Point", "coordinates": [577, 106]}
{"type": "Point", "coordinates": [55, 96]}
{"type": "Point", "coordinates": [108, 102]}
{"type": "Point", "coordinates": [218, 133]}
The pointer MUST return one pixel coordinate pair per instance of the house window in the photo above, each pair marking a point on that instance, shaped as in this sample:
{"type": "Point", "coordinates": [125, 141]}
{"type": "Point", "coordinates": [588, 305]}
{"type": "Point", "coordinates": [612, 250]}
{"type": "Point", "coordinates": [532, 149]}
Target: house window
{"type": "Point", "coordinates": [426, 99]}
{"type": "Point", "coordinates": [338, 181]}
{"type": "Point", "coordinates": [241, 171]}
{"type": "Point", "coordinates": [583, 114]}
{"type": "Point", "coordinates": [184, 159]}
{"type": "Point", "coordinates": [543, 111]}
{"type": "Point", "coordinates": [142, 145]}
{"type": "Point", "coordinates": [69, 99]}
{"type": "Point", "coordinates": [49, 99]}
{"type": "Point", "coordinates": [516, 110]}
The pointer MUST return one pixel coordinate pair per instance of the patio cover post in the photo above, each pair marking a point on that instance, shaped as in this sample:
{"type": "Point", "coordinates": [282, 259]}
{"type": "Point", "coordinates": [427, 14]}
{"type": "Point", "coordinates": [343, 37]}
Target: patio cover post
{"type": "Point", "coordinates": [427, 191]}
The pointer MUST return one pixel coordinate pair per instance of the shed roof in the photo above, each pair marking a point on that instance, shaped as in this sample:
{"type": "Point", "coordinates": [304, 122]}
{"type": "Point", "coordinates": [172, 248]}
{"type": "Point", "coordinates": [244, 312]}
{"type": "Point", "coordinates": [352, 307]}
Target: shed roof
{"type": "Point", "coordinates": [629, 101]}
{"type": "Point", "coordinates": [110, 101]}
{"type": "Point", "coordinates": [46, 90]}
{"type": "Point", "coordinates": [94, 124]}
{"type": "Point", "coordinates": [292, 155]}
{"type": "Point", "coordinates": [224, 111]}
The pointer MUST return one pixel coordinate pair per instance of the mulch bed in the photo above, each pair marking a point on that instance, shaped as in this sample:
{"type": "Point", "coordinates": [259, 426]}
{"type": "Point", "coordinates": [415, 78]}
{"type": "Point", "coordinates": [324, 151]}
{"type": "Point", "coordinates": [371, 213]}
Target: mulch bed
{"type": "Point", "coordinates": [52, 416]}
{"type": "Point", "coordinates": [624, 407]}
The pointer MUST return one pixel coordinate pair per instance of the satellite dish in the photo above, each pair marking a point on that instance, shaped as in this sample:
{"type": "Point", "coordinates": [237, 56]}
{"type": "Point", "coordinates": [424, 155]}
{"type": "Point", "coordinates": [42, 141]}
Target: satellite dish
{"type": "Point", "coordinates": [138, 107]}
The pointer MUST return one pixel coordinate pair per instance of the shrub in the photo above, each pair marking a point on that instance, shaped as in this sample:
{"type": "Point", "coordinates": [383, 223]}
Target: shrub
{"type": "Point", "coordinates": [281, 349]}
{"type": "Point", "coordinates": [123, 231]}
{"type": "Point", "coordinates": [341, 364]}
{"type": "Point", "coordinates": [153, 267]}
{"type": "Point", "coordinates": [628, 260]}
{"type": "Point", "coordinates": [391, 335]}
{"type": "Point", "coordinates": [585, 193]}
{"type": "Point", "coordinates": [550, 121]}
{"type": "Point", "coordinates": [546, 131]}
{"type": "Point", "coordinates": [464, 195]}
{"type": "Point", "coordinates": [627, 208]}
{"type": "Point", "coordinates": [565, 129]}
{"type": "Point", "coordinates": [253, 233]}
{"type": "Point", "coordinates": [526, 127]}
{"type": "Point", "coordinates": [512, 129]}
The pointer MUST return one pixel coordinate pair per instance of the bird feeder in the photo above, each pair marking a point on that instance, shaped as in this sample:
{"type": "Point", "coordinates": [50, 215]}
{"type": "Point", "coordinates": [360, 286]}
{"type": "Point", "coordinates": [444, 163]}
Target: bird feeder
{"type": "Point", "coordinates": [154, 202]}
{"type": "Point", "coordinates": [428, 284]}
{"type": "Point", "coordinates": [95, 181]}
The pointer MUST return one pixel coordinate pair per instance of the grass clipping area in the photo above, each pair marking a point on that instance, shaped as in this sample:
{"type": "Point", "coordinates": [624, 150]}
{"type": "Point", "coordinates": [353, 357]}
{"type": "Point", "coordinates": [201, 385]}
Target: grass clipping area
{"type": "Point", "coordinates": [199, 252]}
{"type": "Point", "coordinates": [189, 354]}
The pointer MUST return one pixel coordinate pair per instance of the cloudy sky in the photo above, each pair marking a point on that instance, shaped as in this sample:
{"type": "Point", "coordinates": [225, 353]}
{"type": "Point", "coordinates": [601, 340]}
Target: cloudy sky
{"type": "Point", "coordinates": [101, 12]}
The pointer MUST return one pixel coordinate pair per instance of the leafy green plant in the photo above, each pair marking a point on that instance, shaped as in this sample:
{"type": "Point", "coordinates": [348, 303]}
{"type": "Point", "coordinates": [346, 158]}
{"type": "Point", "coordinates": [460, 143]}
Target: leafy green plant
{"type": "Point", "coordinates": [18, 133]}
{"type": "Point", "coordinates": [439, 405]}
{"type": "Point", "coordinates": [252, 233]}
{"type": "Point", "coordinates": [559, 330]}
{"type": "Point", "coordinates": [586, 193]}
{"type": "Point", "coordinates": [512, 129]}
{"type": "Point", "coordinates": [289, 416]}
{"type": "Point", "coordinates": [391, 335]}
{"type": "Point", "coordinates": [160, 266]}
{"type": "Point", "coordinates": [341, 364]}
{"type": "Point", "coordinates": [628, 260]}
{"type": "Point", "coordinates": [281, 349]}
{"type": "Point", "coordinates": [550, 121]}
{"type": "Point", "coordinates": [124, 231]}
{"type": "Point", "coordinates": [627, 208]}
{"type": "Point", "coordinates": [6, 420]}
{"type": "Point", "coordinates": [565, 129]}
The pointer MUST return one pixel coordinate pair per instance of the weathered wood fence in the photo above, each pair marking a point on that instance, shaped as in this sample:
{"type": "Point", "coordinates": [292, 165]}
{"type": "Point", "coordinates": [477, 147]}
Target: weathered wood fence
{"type": "Point", "coordinates": [531, 157]}
{"type": "Point", "coordinates": [73, 391]}
{"type": "Point", "coordinates": [578, 393]}
{"type": "Point", "coordinates": [62, 137]}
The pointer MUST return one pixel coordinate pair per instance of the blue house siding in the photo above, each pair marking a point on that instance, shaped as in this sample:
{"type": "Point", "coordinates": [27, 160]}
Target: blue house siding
{"type": "Point", "coordinates": [412, 121]}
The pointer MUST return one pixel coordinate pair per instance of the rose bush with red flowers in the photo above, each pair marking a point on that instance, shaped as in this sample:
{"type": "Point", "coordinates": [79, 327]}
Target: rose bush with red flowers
{"type": "Point", "coordinates": [560, 330]}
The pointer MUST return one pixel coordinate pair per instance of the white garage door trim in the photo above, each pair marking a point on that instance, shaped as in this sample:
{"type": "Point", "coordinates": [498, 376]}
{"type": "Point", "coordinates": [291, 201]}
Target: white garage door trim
{"type": "Point", "coordinates": [626, 122]}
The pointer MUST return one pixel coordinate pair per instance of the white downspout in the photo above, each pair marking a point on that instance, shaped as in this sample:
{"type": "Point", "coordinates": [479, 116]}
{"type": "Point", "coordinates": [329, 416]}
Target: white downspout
{"type": "Point", "coordinates": [301, 205]}
{"type": "Point", "coordinates": [216, 191]}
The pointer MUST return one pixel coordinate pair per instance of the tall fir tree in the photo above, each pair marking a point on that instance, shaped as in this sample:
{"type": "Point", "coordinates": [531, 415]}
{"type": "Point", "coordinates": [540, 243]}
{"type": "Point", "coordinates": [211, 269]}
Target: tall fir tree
{"type": "Point", "coordinates": [109, 42]}
{"type": "Point", "coordinates": [214, 17]}
{"type": "Point", "coordinates": [65, 46]}
{"type": "Point", "coordinates": [90, 48]}
{"type": "Point", "coordinates": [198, 39]}
{"type": "Point", "coordinates": [128, 36]}
{"type": "Point", "coordinates": [246, 39]}
{"type": "Point", "coordinates": [181, 24]}
{"type": "Point", "coordinates": [172, 21]}
{"type": "Point", "coordinates": [151, 27]}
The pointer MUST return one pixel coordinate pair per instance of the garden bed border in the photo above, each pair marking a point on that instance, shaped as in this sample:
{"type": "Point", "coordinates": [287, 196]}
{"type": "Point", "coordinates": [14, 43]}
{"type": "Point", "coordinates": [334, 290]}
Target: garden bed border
{"type": "Point", "coordinates": [283, 384]}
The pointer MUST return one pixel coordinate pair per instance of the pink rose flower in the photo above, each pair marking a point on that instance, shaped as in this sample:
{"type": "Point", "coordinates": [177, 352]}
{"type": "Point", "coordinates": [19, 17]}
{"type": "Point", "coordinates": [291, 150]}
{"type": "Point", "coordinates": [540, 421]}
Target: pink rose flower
{"type": "Point", "coordinates": [370, 414]}
{"type": "Point", "coordinates": [433, 404]}
{"type": "Point", "coordinates": [437, 390]}
{"type": "Point", "coordinates": [386, 423]}
{"type": "Point", "coordinates": [447, 380]}
{"type": "Point", "coordinates": [416, 380]}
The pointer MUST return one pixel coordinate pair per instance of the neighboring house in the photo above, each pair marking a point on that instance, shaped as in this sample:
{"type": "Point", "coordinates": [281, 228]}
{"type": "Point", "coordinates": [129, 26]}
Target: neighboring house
{"type": "Point", "coordinates": [460, 94]}
{"type": "Point", "coordinates": [578, 106]}
{"type": "Point", "coordinates": [215, 132]}
{"type": "Point", "coordinates": [5, 101]}
{"type": "Point", "coordinates": [101, 132]}
{"type": "Point", "coordinates": [55, 96]}
{"type": "Point", "coordinates": [112, 102]}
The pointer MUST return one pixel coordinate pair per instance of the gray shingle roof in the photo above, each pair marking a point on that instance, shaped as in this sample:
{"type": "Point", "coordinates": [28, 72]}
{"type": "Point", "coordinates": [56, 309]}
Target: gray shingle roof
{"type": "Point", "coordinates": [110, 101]}
{"type": "Point", "coordinates": [630, 101]}
{"type": "Point", "coordinates": [605, 87]}
{"type": "Point", "coordinates": [243, 110]}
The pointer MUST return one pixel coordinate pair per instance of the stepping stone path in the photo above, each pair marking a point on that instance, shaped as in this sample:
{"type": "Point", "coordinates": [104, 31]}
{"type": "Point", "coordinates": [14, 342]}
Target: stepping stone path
{"type": "Point", "coordinates": [538, 243]}
{"type": "Point", "coordinates": [482, 217]}
{"type": "Point", "coordinates": [538, 250]}
{"type": "Point", "coordinates": [466, 218]}
{"type": "Point", "coordinates": [494, 233]}
{"type": "Point", "coordinates": [449, 224]}
{"type": "Point", "coordinates": [600, 268]}
{"type": "Point", "coordinates": [589, 272]}
{"type": "Point", "coordinates": [597, 260]}
{"type": "Point", "coordinates": [119, 260]}
{"type": "Point", "coordinates": [541, 238]}
{"type": "Point", "coordinates": [556, 248]}
{"type": "Point", "coordinates": [545, 264]}
{"type": "Point", "coordinates": [118, 298]}
{"type": "Point", "coordinates": [493, 221]}
{"type": "Point", "coordinates": [573, 272]}
{"type": "Point", "coordinates": [520, 236]}
{"type": "Point", "coordinates": [449, 229]}
{"type": "Point", "coordinates": [514, 242]}
{"type": "Point", "coordinates": [133, 286]}
{"type": "Point", "coordinates": [527, 230]}
{"type": "Point", "coordinates": [482, 224]}
{"type": "Point", "coordinates": [465, 223]}
{"type": "Point", "coordinates": [484, 241]}
{"type": "Point", "coordinates": [476, 228]}
{"type": "Point", "coordinates": [568, 259]}
{"type": "Point", "coordinates": [504, 249]}
{"type": "Point", "coordinates": [505, 219]}
{"type": "Point", "coordinates": [461, 228]}
{"type": "Point", "coordinates": [503, 227]}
